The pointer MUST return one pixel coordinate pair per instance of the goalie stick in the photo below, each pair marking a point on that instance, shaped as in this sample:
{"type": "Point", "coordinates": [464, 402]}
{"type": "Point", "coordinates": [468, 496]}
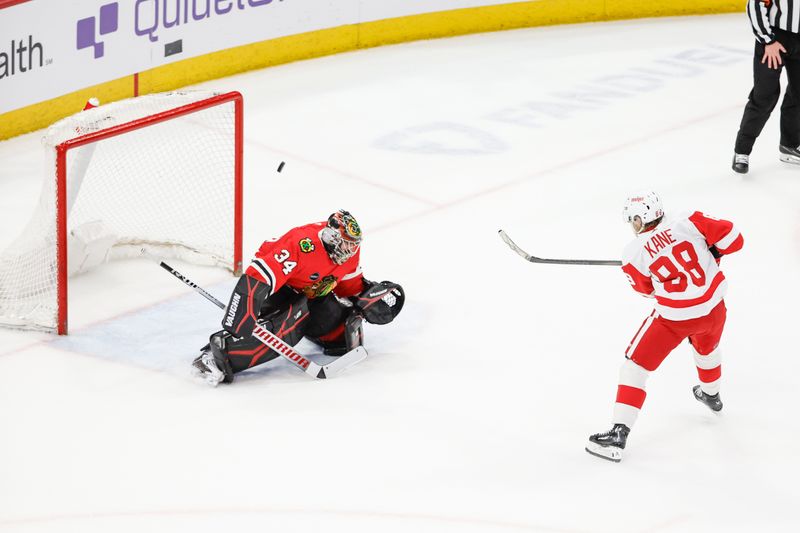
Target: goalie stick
{"type": "Point", "coordinates": [271, 340]}
{"type": "Point", "coordinates": [533, 259]}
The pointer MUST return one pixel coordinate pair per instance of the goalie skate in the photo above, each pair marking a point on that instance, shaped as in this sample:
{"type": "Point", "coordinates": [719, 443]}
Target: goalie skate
{"type": "Point", "coordinates": [205, 367]}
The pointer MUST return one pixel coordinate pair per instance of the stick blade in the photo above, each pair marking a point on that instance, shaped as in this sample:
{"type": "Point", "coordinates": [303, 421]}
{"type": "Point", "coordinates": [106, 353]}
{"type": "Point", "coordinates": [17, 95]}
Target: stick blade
{"type": "Point", "coordinates": [511, 244]}
{"type": "Point", "coordinates": [351, 358]}
{"type": "Point", "coordinates": [533, 259]}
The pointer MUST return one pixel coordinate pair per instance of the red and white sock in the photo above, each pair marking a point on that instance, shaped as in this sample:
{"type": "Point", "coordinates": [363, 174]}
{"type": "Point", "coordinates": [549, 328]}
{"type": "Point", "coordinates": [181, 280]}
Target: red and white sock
{"type": "Point", "coordinates": [709, 370]}
{"type": "Point", "coordinates": [630, 393]}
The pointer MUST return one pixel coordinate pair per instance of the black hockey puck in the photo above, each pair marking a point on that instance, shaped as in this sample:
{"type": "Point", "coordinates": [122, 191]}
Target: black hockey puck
{"type": "Point", "coordinates": [280, 167]}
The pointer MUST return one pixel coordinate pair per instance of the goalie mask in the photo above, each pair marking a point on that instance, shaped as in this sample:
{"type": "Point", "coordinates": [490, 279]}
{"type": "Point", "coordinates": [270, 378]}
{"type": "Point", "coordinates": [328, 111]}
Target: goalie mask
{"type": "Point", "coordinates": [341, 237]}
{"type": "Point", "coordinates": [645, 205]}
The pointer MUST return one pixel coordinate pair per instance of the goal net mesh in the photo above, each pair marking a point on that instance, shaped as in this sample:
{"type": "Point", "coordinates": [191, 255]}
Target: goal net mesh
{"type": "Point", "coordinates": [166, 187]}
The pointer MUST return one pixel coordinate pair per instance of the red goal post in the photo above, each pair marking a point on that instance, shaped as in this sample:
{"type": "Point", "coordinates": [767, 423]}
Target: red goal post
{"type": "Point", "coordinates": [158, 172]}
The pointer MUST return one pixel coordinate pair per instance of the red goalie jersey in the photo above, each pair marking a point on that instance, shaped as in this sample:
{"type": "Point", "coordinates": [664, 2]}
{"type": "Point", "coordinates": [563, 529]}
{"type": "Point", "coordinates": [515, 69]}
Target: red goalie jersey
{"type": "Point", "coordinates": [673, 264]}
{"type": "Point", "coordinates": [299, 260]}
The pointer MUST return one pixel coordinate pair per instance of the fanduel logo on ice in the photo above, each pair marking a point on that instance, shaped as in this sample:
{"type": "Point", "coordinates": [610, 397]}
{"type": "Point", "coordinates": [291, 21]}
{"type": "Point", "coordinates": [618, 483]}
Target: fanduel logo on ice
{"type": "Point", "coordinates": [87, 29]}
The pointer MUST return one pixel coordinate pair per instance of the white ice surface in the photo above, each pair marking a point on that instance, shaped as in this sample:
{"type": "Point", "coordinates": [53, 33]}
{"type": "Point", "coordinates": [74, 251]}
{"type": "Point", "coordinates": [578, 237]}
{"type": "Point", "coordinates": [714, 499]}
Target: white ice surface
{"type": "Point", "coordinates": [471, 413]}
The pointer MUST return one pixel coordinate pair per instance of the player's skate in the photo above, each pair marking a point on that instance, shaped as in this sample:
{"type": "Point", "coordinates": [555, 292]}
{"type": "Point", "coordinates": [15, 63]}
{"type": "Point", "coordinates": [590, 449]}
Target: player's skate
{"type": "Point", "coordinates": [609, 445]}
{"type": "Point", "coordinates": [789, 155]}
{"type": "Point", "coordinates": [713, 402]}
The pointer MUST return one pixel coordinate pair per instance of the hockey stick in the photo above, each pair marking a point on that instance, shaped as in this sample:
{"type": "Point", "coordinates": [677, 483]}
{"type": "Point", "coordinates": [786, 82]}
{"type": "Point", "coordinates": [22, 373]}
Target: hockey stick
{"type": "Point", "coordinates": [266, 337]}
{"type": "Point", "coordinates": [528, 257]}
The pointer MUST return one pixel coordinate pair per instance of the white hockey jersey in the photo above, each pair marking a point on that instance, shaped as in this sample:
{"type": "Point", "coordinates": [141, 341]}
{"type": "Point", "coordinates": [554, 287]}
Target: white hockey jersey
{"type": "Point", "coordinates": [673, 263]}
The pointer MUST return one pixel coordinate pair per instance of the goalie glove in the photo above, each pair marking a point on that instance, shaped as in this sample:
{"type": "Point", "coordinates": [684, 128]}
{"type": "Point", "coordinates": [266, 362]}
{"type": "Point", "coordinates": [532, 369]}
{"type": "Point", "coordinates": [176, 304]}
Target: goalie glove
{"type": "Point", "coordinates": [380, 302]}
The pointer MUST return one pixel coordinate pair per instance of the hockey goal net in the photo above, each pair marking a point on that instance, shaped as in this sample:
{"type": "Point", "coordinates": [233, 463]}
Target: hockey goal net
{"type": "Point", "coordinates": [160, 173]}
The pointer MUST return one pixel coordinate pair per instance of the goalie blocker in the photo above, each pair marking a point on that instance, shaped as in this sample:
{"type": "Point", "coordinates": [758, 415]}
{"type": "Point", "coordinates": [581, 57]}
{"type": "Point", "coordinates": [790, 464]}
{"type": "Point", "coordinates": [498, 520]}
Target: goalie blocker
{"type": "Point", "coordinates": [307, 283]}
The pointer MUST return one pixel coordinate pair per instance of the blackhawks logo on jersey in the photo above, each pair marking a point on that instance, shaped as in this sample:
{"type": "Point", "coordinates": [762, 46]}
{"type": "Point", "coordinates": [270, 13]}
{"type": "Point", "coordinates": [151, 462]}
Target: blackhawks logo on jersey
{"type": "Point", "coordinates": [306, 245]}
{"type": "Point", "coordinates": [321, 287]}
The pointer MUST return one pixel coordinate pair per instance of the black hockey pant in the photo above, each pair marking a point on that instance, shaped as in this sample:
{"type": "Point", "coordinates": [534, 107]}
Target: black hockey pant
{"type": "Point", "coordinates": [766, 92]}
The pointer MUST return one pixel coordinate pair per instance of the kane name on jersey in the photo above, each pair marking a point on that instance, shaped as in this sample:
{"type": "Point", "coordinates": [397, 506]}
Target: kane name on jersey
{"type": "Point", "coordinates": [673, 264]}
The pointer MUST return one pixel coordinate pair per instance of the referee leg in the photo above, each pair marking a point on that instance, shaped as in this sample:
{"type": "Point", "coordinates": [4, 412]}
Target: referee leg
{"type": "Point", "coordinates": [760, 103]}
{"type": "Point", "coordinates": [790, 109]}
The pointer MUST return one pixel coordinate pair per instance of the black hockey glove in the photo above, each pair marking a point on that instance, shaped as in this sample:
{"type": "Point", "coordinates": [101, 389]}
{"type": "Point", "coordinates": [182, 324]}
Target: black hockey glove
{"type": "Point", "coordinates": [716, 253]}
{"type": "Point", "coordinates": [380, 303]}
{"type": "Point", "coordinates": [242, 311]}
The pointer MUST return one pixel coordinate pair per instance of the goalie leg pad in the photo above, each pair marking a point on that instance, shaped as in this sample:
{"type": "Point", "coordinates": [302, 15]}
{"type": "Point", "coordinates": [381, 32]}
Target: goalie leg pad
{"type": "Point", "coordinates": [347, 336]}
{"type": "Point", "coordinates": [327, 314]}
{"type": "Point", "coordinates": [335, 325]}
{"type": "Point", "coordinates": [241, 354]}
{"type": "Point", "coordinates": [285, 322]}
{"type": "Point", "coordinates": [241, 312]}
{"type": "Point", "coordinates": [353, 331]}
{"type": "Point", "coordinates": [288, 321]}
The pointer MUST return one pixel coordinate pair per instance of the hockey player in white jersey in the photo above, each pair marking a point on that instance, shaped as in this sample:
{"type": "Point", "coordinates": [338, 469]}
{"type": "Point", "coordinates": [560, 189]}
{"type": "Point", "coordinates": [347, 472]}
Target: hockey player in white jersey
{"type": "Point", "coordinates": [674, 260]}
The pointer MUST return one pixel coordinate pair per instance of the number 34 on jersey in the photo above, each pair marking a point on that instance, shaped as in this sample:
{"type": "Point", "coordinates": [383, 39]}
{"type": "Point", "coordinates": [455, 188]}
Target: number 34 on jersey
{"type": "Point", "coordinates": [283, 258]}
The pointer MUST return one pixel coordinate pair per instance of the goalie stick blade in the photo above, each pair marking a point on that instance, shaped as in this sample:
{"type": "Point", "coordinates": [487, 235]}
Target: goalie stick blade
{"type": "Point", "coordinates": [533, 259]}
{"type": "Point", "coordinates": [351, 358]}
